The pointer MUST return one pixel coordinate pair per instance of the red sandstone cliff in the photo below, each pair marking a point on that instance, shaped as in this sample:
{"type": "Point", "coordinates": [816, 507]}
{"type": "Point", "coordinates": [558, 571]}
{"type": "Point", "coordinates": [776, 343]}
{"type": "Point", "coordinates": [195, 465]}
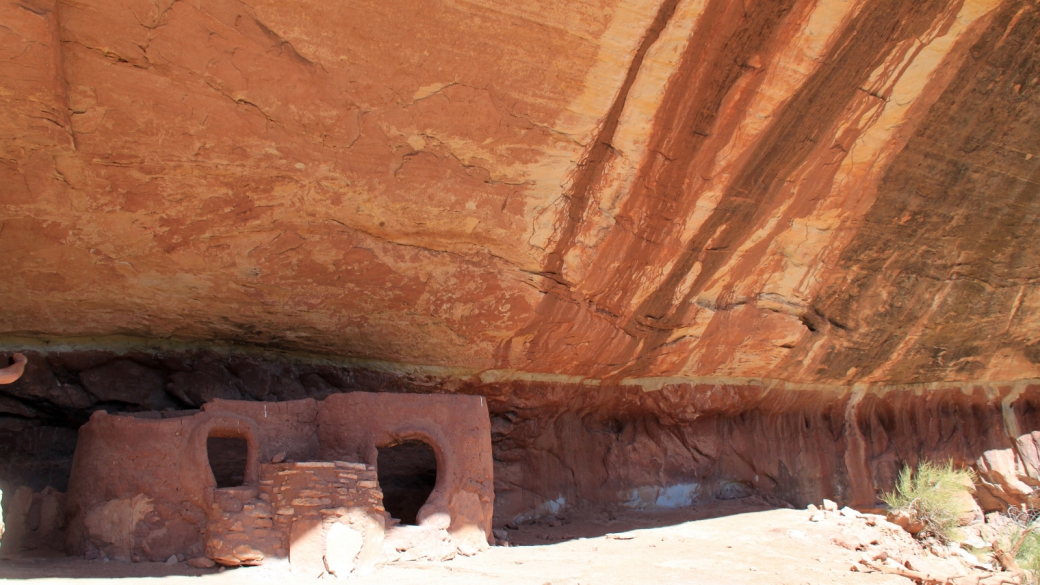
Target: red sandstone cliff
{"type": "Point", "coordinates": [536, 201]}
{"type": "Point", "coordinates": [812, 191]}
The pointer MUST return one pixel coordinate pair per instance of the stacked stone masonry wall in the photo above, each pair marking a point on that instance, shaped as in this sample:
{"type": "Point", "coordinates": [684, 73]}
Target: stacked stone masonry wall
{"type": "Point", "coordinates": [322, 516]}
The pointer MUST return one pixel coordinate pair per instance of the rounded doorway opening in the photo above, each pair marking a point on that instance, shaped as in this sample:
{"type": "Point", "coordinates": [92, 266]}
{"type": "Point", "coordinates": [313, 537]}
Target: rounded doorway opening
{"type": "Point", "coordinates": [228, 458]}
{"type": "Point", "coordinates": [407, 473]}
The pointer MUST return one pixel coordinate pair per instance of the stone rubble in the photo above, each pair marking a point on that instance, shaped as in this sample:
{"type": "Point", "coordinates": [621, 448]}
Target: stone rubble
{"type": "Point", "coordinates": [886, 545]}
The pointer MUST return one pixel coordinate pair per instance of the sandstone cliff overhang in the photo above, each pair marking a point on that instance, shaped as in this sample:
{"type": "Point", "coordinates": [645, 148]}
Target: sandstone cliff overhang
{"type": "Point", "coordinates": [822, 191]}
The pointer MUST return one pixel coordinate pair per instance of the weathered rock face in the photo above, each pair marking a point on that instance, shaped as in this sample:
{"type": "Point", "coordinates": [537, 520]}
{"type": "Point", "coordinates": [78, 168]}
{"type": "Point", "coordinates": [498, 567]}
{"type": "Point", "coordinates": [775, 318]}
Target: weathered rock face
{"type": "Point", "coordinates": [555, 205]}
{"type": "Point", "coordinates": [560, 443]}
{"type": "Point", "coordinates": [814, 191]}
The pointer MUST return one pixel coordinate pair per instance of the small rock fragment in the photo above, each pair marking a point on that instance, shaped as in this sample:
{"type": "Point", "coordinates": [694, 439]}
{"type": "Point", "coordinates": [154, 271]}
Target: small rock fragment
{"type": "Point", "coordinates": [830, 506]}
{"type": "Point", "coordinates": [201, 563]}
{"type": "Point", "coordinates": [967, 556]}
{"type": "Point", "coordinates": [278, 458]}
{"type": "Point", "coordinates": [848, 543]}
{"type": "Point", "coordinates": [172, 560]}
{"type": "Point", "coordinates": [902, 519]}
{"type": "Point", "coordinates": [247, 555]}
{"type": "Point", "coordinates": [973, 541]}
{"type": "Point", "coordinates": [917, 563]}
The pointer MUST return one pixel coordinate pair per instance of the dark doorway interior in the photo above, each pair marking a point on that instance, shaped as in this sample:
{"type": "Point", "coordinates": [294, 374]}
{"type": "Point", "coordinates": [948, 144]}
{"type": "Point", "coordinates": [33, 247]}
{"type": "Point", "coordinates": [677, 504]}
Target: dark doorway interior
{"type": "Point", "coordinates": [407, 476]}
{"type": "Point", "coordinates": [227, 459]}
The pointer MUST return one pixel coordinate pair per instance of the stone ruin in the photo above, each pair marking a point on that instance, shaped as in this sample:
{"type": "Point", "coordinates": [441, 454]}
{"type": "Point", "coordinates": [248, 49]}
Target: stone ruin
{"type": "Point", "coordinates": [245, 483]}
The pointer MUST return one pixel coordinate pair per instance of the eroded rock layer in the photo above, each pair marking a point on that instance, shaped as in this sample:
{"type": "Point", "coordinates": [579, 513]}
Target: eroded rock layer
{"type": "Point", "coordinates": [561, 443]}
{"type": "Point", "coordinates": [680, 245]}
{"type": "Point", "coordinates": [816, 191]}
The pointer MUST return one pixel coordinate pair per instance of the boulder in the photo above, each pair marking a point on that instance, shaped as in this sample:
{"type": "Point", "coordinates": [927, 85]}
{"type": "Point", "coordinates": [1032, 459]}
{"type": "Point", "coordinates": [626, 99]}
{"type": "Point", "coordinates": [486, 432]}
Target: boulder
{"type": "Point", "coordinates": [971, 511]}
{"type": "Point", "coordinates": [39, 384]}
{"type": "Point", "coordinates": [109, 527]}
{"type": "Point", "coordinates": [262, 382]}
{"type": "Point", "coordinates": [128, 382]}
{"type": "Point", "coordinates": [203, 385]}
{"type": "Point", "coordinates": [372, 531]}
{"type": "Point", "coordinates": [1010, 477]}
{"type": "Point", "coordinates": [342, 546]}
{"type": "Point", "coordinates": [417, 543]}
{"type": "Point", "coordinates": [17, 520]}
{"type": "Point", "coordinates": [904, 520]}
{"type": "Point", "coordinates": [201, 563]}
{"type": "Point", "coordinates": [52, 513]}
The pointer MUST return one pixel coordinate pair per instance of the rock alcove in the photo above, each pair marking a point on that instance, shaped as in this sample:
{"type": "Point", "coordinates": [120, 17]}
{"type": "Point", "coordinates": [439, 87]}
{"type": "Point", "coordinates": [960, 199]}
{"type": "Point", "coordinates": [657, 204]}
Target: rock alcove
{"type": "Point", "coordinates": [680, 250]}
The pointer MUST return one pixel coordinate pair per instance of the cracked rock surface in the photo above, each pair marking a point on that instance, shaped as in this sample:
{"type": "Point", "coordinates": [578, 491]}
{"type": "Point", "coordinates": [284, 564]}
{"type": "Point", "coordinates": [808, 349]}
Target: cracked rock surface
{"type": "Point", "coordinates": [683, 247]}
{"type": "Point", "coordinates": [814, 191]}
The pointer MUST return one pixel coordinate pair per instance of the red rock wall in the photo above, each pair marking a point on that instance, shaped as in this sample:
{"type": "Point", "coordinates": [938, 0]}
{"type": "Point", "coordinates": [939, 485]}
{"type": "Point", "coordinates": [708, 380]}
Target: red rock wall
{"type": "Point", "coordinates": [809, 191]}
{"type": "Point", "coordinates": [808, 226]}
{"type": "Point", "coordinates": [683, 443]}
{"type": "Point", "coordinates": [558, 443]}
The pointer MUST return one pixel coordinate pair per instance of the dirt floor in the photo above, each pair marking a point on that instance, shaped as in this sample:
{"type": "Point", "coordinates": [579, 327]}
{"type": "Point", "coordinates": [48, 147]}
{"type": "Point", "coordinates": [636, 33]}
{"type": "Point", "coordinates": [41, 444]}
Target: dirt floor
{"type": "Point", "coordinates": [724, 542]}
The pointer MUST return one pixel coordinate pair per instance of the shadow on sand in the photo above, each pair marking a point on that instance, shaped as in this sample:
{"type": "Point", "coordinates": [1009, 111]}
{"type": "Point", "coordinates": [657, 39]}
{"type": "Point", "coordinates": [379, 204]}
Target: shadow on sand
{"type": "Point", "coordinates": [615, 522]}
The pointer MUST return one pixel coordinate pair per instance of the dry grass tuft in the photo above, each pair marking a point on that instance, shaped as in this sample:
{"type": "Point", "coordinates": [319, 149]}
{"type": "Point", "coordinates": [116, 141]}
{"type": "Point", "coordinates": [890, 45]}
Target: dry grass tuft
{"type": "Point", "coordinates": [933, 495]}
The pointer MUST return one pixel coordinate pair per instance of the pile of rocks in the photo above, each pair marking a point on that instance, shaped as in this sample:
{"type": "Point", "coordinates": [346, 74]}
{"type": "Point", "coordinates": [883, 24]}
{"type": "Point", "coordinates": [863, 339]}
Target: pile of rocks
{"type": "Point", "coordinates": [887, 547]}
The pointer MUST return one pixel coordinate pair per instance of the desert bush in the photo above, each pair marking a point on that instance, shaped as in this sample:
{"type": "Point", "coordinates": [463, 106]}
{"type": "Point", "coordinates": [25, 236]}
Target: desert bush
{"type": "Point", "coordinates": [1028, 556]}
{"type": "Point", "coordinates": [933, 494]}
{"type": "Point", "coordinates": [1019, 534]}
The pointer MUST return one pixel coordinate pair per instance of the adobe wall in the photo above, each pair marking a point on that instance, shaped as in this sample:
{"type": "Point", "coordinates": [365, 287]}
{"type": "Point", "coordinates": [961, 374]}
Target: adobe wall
{"type": "Point", "coordinates": [353, 426]}
{"type": "Point", "coordinates": [288, 427]}
{"type": "Point", "coordinates": [141, 486]}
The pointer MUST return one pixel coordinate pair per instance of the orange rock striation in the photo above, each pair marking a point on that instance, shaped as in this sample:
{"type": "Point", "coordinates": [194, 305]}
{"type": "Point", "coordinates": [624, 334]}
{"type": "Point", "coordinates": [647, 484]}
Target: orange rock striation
{"type": "Point", "coordinates": [811, 191]}
{"type": "Point", "coordinates": [778, 204]}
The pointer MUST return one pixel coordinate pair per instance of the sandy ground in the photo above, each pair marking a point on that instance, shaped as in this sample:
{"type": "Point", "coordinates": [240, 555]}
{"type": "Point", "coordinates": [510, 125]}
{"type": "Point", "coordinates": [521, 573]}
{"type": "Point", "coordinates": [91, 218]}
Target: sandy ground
{"type": "Point", "coordinates": [724, 542]}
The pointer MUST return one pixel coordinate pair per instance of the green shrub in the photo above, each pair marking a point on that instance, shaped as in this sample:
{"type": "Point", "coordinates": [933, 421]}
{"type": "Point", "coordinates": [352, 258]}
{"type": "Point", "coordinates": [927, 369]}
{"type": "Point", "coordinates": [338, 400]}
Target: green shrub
{"type": "Point", "coordinates": [934, 495]}
{"type": "Point", "coordinates": [1021, 528]}
{"type": "Point", "coordinates": [1028, 556]}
